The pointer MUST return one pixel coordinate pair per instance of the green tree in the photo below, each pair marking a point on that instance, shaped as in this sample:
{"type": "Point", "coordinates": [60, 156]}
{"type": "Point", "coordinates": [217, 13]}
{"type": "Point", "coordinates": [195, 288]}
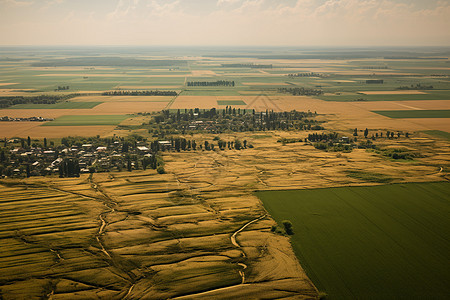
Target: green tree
{"type": "Point", "coordinates": [288, 227]}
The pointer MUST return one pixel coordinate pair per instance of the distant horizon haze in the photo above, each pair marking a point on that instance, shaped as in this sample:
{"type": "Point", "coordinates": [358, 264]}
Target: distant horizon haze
{"type": "Point", "coordinates": [221, 23]}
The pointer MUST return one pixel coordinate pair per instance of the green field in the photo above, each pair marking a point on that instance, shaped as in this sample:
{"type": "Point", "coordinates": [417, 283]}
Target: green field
{"type": "Point", "coordinates": [60, 105]}
{"type": "Point", "coordinates": [231, 102]}
{"type": "Point", "coordinates": [408, 114]}
{"type": "Point", "coordinates": [350, 95]}
{"type": "Point", "coordinates": [438, 133]}
{"type": "Point", "coordinates": [87, 120]}
{"type": "Point", "coordinates": [379, 242]}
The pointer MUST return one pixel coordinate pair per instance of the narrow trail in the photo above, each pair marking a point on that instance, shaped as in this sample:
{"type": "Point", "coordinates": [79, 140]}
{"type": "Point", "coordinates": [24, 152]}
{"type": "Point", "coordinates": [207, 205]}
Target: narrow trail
{"type": "Point", "coordinates": [233, 237]}
{"type": "Point", "coordinates": [129, 292]}
{"type": "Point", "coordinates": [114, 261]}
{"type": "Point", "coordinates": [235, 243]}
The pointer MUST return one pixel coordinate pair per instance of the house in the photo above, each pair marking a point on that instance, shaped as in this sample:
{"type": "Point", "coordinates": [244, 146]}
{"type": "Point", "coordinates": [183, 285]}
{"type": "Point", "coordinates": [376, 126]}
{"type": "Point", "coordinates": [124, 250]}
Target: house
{"type": "Point", "coordinates": [143, 149]}
{"type": "Point", "coordinates": [165, 145]}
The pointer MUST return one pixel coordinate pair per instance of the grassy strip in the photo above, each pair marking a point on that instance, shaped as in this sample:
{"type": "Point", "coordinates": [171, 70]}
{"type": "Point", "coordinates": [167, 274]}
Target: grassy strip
{"type": "Point", "coordinates": [438, 133]}
{"type": "Point", "coordinates": [379, 242]}
{"type": "Point", "coordinates": [73, 120]}
{"type": "Point", "coordinates": [407, 114]}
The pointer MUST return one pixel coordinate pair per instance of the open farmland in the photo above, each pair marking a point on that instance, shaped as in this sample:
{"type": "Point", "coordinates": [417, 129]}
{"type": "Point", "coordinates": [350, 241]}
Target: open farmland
{"type": "Point", "coordinates": [405, 114]}
{"type": "Point", "coordinates": [127, 235]}
{"type": "Point", "coordinates": [71, 120]}
{"type": "Point", "coordinates": [60, 105]}
{"type": "Point", "coordinates": [230, 102]}
{"type": "Point", "coordinates": [383, 242]}
{"type": "Point", "coordinates": [198, 231]}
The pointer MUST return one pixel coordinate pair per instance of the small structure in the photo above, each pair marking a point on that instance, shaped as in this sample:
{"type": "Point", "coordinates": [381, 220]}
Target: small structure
{"type": "Point", "coordinates": [165, 145]}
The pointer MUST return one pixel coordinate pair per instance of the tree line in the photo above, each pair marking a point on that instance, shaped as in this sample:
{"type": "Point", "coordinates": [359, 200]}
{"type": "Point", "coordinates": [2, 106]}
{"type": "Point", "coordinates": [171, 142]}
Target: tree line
{"type": "Point", "coordinates": [310, 74]}
{"type": "Point", "coordinates": [252, 66]}
{"type": "Point", "coordinates": [300, 91]}
{"type": "Point", "coordinates": [211, 83]}
{"type": "Point", "coordinates": [140, 93]}
{"type": "Point", "coordinates": [6, 101]}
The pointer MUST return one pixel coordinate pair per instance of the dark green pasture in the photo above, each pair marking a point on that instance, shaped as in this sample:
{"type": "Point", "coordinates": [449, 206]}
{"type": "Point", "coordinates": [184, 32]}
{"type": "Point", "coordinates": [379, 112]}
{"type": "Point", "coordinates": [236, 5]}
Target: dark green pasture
{"type": "Point", "coordinates": [378, 242]}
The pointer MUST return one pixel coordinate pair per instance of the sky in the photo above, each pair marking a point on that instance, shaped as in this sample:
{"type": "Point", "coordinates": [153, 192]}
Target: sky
{"type": "Point", "coordinates": [226, 22]}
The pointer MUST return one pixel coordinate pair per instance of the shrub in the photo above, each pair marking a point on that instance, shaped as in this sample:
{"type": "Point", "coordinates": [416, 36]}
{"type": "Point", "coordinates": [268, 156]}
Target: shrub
{"type": "Point", "coordinates": [288, 227]}
{"type": "Point", "coordinates": [160, 170]}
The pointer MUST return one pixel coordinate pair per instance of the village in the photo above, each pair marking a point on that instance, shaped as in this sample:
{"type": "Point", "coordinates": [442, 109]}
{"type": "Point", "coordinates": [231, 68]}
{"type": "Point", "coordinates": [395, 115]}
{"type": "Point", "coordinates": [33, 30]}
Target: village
{"type": "Point", "coordinates": [76, 155]}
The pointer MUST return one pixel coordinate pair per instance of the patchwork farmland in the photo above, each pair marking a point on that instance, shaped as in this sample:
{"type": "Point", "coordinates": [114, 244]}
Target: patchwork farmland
{"type": "Point", "coordinates": [362, 175]}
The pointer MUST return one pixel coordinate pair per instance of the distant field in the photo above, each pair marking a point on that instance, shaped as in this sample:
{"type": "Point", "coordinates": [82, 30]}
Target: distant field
{"type": "Point", "coordinates": [409, 114]}
{"type": "Point", "coordinates": [428, 95]}
{"type": "Point", "coordinates": [379, 242]}
{"type": "Point", "coordinates": [87, 120]}
{"type": "Point", "coordinates": [438, 133]}
{"type": "Point", "coordinates": [60, 105]}
{"type": "Point", "coordinates": [231, 102]}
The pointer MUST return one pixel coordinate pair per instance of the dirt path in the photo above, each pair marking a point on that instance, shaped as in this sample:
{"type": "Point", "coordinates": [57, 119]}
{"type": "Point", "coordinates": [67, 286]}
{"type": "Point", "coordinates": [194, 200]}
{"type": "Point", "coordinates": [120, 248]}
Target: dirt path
{"type": "Point", "coordinates": [233, 237]}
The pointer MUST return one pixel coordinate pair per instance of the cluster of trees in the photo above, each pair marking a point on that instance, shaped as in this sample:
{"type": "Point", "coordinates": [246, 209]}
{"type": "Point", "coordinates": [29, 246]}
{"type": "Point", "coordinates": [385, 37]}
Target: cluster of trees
{"type": "Point", "coordinates": [140, 93]}
{"type": "Point", "coordinates": [228, 120]}
{"type": "Point", "coordinates": [69, 167]}
{"type": "Point", "coordinates": [252, 66]}
{"type": "Point", "coordinates": [321, 137]}
{"type": "Point", "coordinates": [6, 101]}
{"type": "Point", "coordinates": [389, 134]}
{"type": "Point", "coordinates": [210, 83]}
{"type": "Point", "coordinates": [181, 144]}
{"type": "Point", "coordinates": [416, 87]}
{"type": "Point", "coordinates": [287, 228]}
{"type": "Point", "coordinates": [310, 74]}
{"type": "Point", "coordinates": [300, 91]}
{"type": "Point", "coordinates": [398, 153]}
{"type": "Point", "coordinates": [62, 88]}
{"type": "Point", "coordinates": [374, 81]}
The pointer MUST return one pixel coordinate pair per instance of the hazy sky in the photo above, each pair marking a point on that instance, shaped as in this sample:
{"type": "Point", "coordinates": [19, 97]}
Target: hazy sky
{"type": "Point", "coordinates": [225, 22]}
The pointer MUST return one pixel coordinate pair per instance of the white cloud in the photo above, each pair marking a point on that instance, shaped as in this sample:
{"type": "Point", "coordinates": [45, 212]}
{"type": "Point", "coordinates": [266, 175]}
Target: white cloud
{"type": "Point", "coordinates": [16, 2]}
{"type": "Point", "coordinates": [225, 2]}
{"type": "Point", "coordinates": [233, 22]}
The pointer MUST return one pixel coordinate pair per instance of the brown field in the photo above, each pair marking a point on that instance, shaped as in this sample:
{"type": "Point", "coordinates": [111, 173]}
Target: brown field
{"type": "Point", "coordinates": [7, 83]}
{"type": "Point", "coordinates": [200, 73]}
{"type": "Point", "coordinates": [68, 68]}
{"type": "Point", "coordinates": [433, 124]}
{"type": "Point", "coordinates": [19, 129]}
{"type": "Point", "coordinates": [403, 92]}
{"type": "Point", "coordinates": [125, 108]}
{"type": "Point", "coordinates": [122, 98]}
{"type": "Point", "coordinates": [404, 105]}
{"type": "Point", "coordinates": [141, 235]}
{"type": "Point", "coordinates": [182, 102]}
{"type": "Point", "coordinates": [341, 115]}
{"type": "Point", "coordinates": [33, 129]}
{"type": "Point", "coordinates": [24, 129]}
{"type": "Point", "coordinates": [107, 75]}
